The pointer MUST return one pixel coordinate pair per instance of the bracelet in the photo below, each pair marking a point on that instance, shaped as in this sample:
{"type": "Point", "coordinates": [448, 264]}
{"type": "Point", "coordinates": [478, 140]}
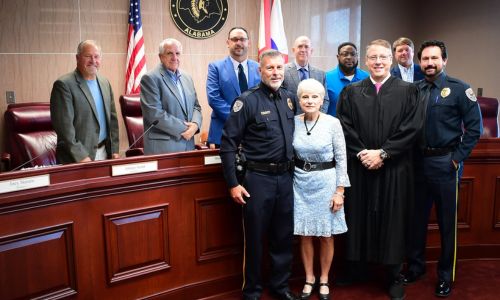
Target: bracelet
{"type": "Point", "coordinates": [340, 194]}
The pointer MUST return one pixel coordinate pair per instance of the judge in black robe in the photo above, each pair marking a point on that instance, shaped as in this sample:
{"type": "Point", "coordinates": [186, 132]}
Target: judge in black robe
{"type": "Point", "coordinates": [385, 124]}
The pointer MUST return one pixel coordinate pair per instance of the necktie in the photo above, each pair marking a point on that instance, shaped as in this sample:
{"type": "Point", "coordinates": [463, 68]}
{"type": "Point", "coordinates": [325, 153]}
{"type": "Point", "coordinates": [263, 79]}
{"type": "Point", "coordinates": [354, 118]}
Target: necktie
{"type": "Point", "coordinates": [378, 85]}
{"type": "Point", "coordinates": [242, 79]}
{"type": "Point", "coordinates": [303, 74]}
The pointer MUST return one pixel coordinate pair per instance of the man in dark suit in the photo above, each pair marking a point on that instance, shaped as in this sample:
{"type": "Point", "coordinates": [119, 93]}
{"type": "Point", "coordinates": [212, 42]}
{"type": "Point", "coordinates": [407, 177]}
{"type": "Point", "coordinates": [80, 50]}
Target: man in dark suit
{"type": "Point", "coordinates": [226, 80]}
{"type": "Point", "coordinates": [301, 69]}
{"type": "Point", "coordinates": [83, 111]}
{"type": "Point", "coordinates": [405, 69]}
{"type": "Point", "coordinates": [168, 96]}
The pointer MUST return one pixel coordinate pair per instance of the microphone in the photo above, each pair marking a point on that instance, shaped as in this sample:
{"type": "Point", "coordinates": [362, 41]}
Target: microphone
{"type": "Point", "coordinates": [155, 122]}
{"type": "Point", "coordinates": [29, 161]}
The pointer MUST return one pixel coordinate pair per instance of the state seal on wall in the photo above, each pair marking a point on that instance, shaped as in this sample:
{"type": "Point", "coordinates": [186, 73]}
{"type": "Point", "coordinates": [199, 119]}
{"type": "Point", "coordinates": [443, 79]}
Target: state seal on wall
{"type": "Point", "coordinates": [199, 19]}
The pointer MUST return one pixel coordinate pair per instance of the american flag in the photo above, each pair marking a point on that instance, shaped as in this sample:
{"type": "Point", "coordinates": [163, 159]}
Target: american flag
{"type": "Point", "coordinates": [136, 59]}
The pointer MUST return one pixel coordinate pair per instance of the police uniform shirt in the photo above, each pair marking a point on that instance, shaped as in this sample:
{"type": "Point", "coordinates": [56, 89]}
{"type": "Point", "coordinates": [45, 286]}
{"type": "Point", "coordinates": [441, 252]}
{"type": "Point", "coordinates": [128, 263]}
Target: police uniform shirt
{"type": "Point", "coordinates": [451, 102]}
{"type": "Point", "coordinates": [262, 120]}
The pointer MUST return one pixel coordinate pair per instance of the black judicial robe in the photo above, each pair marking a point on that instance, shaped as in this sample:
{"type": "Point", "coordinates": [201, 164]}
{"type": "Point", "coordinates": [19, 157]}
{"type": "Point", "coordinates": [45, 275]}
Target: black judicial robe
{"type": "Point", "coordinates": [377, 205]}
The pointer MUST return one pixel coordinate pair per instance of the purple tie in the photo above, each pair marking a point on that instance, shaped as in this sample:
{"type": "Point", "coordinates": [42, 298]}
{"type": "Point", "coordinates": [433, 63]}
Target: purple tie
{"type": "Point", "coordinates": [378, 85]}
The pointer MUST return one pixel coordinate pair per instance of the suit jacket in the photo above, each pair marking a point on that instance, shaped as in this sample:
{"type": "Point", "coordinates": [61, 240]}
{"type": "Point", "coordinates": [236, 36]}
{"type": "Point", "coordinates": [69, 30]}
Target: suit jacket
{"type": "Point", "coordinates": [292, 80]}
{"type": "Point", "coordinates": [417, 72]}
{"type": "Point", "coordinates": [74, 118]}
{"type": "Point", "coordinates": [222, 89]}
{"type": "Point", "coordinates": [160, 100]}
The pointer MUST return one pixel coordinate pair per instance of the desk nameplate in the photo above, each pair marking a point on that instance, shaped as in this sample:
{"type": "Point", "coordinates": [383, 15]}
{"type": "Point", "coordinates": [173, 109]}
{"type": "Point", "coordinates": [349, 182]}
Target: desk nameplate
{"type": "Point", "coordinates": [25, 183]}
{"type": "Point", "coordinates": [212, 160]}
{"type": "Point", "coordinates": [134, 168]}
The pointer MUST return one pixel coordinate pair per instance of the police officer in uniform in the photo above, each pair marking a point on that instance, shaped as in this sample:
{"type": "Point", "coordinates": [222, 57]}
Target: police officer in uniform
{"type": "Point", "coordinates": [444, 145]}
{"type": "Point", "coordinates": [261, 123]}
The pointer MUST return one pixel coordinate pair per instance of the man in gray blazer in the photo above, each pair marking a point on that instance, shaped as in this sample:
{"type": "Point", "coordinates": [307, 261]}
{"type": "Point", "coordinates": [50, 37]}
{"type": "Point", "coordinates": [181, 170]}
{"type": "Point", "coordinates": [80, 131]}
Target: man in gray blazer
{"type": "Point", "coordinates": [168, 96]}
{"type": "Point", "coordinates": [300, 69]}
{"type": "Point", "coordinates": [82, 110]}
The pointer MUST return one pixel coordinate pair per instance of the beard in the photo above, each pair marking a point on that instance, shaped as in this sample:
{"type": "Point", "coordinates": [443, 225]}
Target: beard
{"type": "Point", "coordinates": [348, 70]}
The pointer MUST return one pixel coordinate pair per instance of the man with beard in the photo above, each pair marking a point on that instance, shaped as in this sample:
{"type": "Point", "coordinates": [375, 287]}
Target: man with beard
{"type": "Point", "coordinates": [301, 69]}
{"type": "Point", "coordinates": [82, 109]}
{"type": "Point", "coordinates": [451, 129]}
{"type": "Point", "coordinates": [381, 118]}
{"type": "Point", "coordinates": [227, 79]}
{"type": "Point", "coordinates": [406, 69]}
{"type": "Point", "coordinates": [344, 74]}
{"type": "Point", "coordinates": [262, 122]}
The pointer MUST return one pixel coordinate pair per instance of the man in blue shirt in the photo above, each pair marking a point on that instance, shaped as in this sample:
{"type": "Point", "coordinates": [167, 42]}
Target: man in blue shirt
{"type": "Point", "coordinates": [345, 73]}
{"type": "Point", "coordinates": [405, 69]}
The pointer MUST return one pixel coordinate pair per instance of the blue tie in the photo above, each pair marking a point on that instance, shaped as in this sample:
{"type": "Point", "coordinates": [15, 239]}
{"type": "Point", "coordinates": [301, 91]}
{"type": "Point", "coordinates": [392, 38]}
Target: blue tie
{"type": "Point", "coordinates": [242, 79]}
{"type": "Point", "coordinates": [303, 74]}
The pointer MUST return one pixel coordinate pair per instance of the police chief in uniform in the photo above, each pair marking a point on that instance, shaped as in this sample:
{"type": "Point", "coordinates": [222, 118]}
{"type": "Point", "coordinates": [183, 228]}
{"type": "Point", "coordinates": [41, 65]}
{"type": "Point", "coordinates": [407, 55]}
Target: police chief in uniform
{"type": "Point", "coordinates": [261, 122]}
{"type": "Point", "coordinates": [444, 145]}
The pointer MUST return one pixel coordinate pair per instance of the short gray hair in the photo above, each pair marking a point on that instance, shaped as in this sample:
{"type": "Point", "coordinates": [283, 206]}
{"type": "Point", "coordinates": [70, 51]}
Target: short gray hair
{"type": "Point", "coordinates": [269, 53]}
{"type": "Point", "coordinates": [312, 86]}
{"type": "Point", "coordinates": [82, 45]}
{"type": "Point", "coordinates": [168, 41]}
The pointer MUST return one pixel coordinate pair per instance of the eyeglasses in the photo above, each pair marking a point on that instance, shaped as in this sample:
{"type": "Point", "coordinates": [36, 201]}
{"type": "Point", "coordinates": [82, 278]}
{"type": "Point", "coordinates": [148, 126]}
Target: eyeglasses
{"type": "Point", "coordinates": [235, 39]}
{"type": "Point", "coordinates": [382, 58]}
{"type": "Point", "coordinates": [346, 54]}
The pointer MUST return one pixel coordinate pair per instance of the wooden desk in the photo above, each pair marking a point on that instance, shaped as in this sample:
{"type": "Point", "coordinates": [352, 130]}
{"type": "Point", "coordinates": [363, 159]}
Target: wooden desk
{"type": "Point", "coordinates": [171, 233]}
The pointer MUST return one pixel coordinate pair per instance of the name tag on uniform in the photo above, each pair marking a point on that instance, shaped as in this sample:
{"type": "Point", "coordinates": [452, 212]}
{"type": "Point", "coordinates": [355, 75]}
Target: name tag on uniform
{"type": "Point", "coordinates": [267, 112]}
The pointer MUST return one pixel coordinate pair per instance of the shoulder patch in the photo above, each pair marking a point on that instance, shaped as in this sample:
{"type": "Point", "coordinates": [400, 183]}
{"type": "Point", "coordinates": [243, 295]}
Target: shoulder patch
{"type": "Point", "coordinates": [470, 94]}
{"type": "Point", "coordinates": [238, 104]}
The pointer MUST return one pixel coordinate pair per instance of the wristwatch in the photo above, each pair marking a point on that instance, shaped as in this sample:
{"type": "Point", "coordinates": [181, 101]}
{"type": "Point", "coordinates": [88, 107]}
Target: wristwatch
{"type": "Point", "coordinates": [383, 154]}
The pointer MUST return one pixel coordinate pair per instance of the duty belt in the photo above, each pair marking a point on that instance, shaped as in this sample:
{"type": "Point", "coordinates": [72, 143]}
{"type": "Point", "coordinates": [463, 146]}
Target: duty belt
{"type": "Point", "coordinates": [274, 168]}
{"type": "Point", "coordinates": [309, 166]}
{"type": "Point", "coordinates": [437, 151]}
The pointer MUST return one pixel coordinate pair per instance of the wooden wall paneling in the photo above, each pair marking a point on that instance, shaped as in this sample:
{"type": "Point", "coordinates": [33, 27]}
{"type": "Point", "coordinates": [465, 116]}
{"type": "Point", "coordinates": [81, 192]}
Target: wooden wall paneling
{"type": "Point", "coordinates": [464, 208]}
{"type": "Point", "coordinates": [137, 242]}
{"type": "Point", "coordinates": [39, 263]}
{"type": "Point", "coordinates": [215, 215]}
{"type": "Point", "coordinates": [496, 197]}
{"type": "Point", "coordinates": [38, 26]}
{"type": "Point", "coordinates": [105, 22]}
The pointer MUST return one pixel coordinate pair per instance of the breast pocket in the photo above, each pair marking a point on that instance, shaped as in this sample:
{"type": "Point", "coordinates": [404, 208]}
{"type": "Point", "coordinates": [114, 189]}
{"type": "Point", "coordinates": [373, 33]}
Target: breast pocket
{"type": "Point", "coordinates": [267, 125]}
{"type": "Point", "coordinates": [447, 110]}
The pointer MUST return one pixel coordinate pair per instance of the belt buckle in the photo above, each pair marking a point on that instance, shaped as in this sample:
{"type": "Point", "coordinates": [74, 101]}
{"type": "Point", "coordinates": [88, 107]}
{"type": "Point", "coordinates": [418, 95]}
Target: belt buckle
{"type": "Point", "coordinates": [307, 166]}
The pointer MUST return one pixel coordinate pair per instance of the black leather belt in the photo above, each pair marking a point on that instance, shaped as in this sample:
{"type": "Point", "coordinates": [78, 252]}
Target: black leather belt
{"type": "Point", "coordinates": [102, 143]}
{"type": "Point", "coordinates": [437, 151]}
{"type": "Point", "coordinates": [274, 168]}
{"type": "Point", "coordinates": [314, 166]}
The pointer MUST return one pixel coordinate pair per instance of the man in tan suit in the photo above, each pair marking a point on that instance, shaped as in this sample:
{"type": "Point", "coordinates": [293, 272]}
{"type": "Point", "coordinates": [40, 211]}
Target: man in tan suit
{"type": "Point", "coordinates": [83, 111]}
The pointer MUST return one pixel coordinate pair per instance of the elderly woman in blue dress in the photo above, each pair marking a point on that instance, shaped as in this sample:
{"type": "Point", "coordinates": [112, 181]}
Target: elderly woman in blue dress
{"type": "Point", "coordinates": [319, 181]}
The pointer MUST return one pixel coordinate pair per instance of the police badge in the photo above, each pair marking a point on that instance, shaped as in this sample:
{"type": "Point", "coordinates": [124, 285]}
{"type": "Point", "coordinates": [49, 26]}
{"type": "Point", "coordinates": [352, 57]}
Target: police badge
{"type": "Point", "coordinates": [445, 92]}
{"type": "Point", "coordinates": [290, 104]}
